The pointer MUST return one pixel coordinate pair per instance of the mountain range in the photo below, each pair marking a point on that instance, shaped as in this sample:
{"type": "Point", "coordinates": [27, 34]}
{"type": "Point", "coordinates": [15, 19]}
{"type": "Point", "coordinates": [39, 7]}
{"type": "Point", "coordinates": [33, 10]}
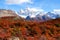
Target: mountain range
{"type": "Point", "coordinates": [47, 16]}
{"type": "Point", "coordinates": [30, 15]}
{"type": "Point", "coordinates": [37, 15]}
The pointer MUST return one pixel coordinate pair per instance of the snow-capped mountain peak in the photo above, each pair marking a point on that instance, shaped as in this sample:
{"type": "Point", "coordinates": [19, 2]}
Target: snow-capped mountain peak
{"type": "Point", "coordinates": [38, 14]}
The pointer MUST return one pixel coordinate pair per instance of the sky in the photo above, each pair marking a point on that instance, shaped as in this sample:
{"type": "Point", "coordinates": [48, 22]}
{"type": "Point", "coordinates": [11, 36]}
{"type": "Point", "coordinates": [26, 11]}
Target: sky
{"type": "Point", "coordinates": [46, 5]}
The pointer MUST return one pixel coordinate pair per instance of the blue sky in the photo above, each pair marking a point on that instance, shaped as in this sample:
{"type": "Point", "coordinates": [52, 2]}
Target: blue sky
{"type": "Point", "coordinates": [46, 5]}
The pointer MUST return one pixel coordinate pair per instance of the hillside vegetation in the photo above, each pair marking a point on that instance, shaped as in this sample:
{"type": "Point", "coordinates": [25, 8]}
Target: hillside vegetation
{"type": "Point", "coordinates": [29, 30]}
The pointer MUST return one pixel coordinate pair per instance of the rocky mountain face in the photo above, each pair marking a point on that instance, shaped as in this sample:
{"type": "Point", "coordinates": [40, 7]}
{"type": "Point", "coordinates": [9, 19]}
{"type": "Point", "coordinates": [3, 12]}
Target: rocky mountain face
{"type": "Point", "coordinates": [45, 17]}
{"type": "Point", "coordinates": [8, 14]}
{"type": "Point", "coordinates": [4, 13]}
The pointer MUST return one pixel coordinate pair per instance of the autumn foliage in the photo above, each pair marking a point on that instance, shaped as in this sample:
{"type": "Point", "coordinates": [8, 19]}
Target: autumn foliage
{"type": "Point", "coordinates": [30, 30]}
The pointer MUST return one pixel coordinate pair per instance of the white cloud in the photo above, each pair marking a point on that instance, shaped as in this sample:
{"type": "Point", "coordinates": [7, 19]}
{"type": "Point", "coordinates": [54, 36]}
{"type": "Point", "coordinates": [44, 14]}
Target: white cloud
{"type": "Point", "coordinates": [57, 11]}
{"type": "Point", "coordinates": [22, 11]}
{"type": "Point", "coordinates": [36, 11]}
{"type": "Point", "coordinates": [32, 11]}
{"type": "Point", "coordinates": [18, 1]}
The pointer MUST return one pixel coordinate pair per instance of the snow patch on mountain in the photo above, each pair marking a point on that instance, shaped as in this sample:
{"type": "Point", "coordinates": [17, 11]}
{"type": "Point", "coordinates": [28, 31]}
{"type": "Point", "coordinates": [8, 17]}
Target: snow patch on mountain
{"type": "Point", "coordinates": [39, 14]}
